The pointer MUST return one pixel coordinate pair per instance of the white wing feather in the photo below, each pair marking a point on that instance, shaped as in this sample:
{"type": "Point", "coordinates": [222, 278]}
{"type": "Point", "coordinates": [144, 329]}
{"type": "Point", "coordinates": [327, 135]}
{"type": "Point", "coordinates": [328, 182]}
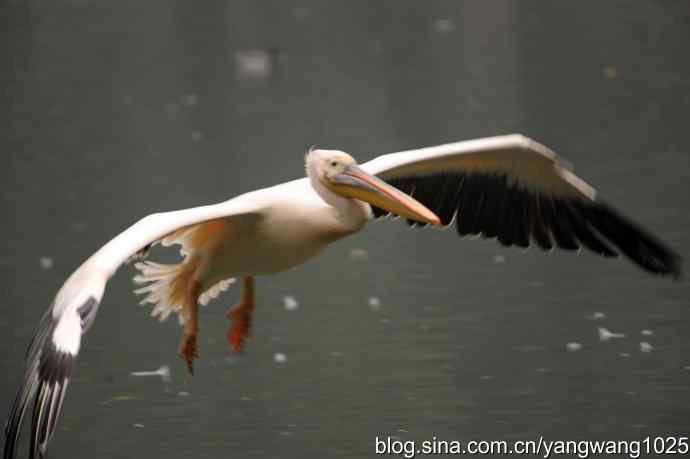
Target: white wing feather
{"type": "Point", "coordinates": [56, 344]}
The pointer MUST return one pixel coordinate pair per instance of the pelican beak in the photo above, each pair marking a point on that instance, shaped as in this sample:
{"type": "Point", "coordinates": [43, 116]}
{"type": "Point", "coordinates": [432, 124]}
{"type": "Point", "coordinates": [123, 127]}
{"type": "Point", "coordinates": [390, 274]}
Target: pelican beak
{"type": "Point", "coordinates": [355, 183]}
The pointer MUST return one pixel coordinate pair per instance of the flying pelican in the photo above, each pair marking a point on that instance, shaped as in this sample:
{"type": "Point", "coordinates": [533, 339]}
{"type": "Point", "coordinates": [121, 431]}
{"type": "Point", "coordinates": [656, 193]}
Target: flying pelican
{"type": "Point", "coordinates": [509, 187]}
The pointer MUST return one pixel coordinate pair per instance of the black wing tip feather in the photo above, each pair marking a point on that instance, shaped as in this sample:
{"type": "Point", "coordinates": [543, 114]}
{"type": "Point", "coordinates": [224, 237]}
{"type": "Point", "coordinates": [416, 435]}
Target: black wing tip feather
{"type": "Point", "coordinates": [489, 206]}
{"type": "Point", "coordinates": [45, 381]}
{"type": "Point", "coordinates": [643, 248]}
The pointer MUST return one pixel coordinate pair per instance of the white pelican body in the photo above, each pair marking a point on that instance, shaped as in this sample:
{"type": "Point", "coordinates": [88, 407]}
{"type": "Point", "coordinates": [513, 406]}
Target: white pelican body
{"type": "Point", "coordinates": [509, 188]}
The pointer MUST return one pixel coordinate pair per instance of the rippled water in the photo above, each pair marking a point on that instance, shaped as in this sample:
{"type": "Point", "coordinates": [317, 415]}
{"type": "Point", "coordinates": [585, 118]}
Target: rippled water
{"type": "Point", "coordinates": [112, 110]}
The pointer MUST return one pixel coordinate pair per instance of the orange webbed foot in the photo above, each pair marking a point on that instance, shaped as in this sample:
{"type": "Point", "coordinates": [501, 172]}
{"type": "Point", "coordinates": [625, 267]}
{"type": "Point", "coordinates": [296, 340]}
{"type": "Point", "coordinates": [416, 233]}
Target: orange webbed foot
{"type": "Point", "coordinates": [240, 328]}
{"type": "Point", "coordinates": [189, 351]}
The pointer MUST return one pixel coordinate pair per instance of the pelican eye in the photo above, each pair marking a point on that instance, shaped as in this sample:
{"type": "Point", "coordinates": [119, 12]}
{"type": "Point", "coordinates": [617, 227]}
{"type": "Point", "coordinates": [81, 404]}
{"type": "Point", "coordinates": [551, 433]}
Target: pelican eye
{"type": "Point", "coordinates": [334, 163]}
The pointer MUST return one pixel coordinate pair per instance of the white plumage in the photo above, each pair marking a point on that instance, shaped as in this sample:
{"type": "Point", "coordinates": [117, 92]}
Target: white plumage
{"type": "Point", "coordinates": [509, 188]}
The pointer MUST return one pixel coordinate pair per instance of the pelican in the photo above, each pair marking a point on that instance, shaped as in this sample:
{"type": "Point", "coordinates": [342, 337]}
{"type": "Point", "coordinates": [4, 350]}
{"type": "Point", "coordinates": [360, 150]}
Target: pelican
{"type": "Point", "coordinates": [509, 187]}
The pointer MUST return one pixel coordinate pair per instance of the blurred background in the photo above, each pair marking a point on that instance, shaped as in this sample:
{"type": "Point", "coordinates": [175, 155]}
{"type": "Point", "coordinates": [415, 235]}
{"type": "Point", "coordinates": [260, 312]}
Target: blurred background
{"type": "Point", "coordinates": [113, 110]}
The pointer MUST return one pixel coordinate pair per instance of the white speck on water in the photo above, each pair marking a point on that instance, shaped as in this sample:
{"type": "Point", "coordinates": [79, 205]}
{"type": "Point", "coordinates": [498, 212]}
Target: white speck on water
{"type": "Point", "coordinates": [163, 372]}
{"type": "Point", "coordinates": [376, 47]}
{"type": "Point", "coordinates": [646, 332]}
{"type": "Point", "coordinates": [374, 303]}
{"type": "Point", "coordinates": [197, 136]}
{"type": "Point", "coordinates": [499, 259]}
{"type": "Point", "coordinates": [190, 100]}
{"type": "Point", "coordinates": [624, 355]}
{"type": "Point", "coordinates": [444, 25]}
{"type": "Point", "coordinates": [384, 320]}
{"type": "Point", "coordinates": [279, 357]}
{"type": "Point", "coordinates": [286, 433]}
{"type": "Point", "coordinates": [605, 334]}
{"type": "Point", "coordinates": [402, 430]}
{"type": "Point", "coordinates": [630, 392]}
{"type": "Point", "coordinates": [359, 255]}
{"type": "Point", "coordinates": [646, 347]}
{"type": "Point", "coordinates": [335, 354]}
{"type": "Point", "coordinates": [183, 393]}
{"type": "Point", "coordinates": [300, 12]}
{"type": "Point", "coordinates": [573, 346]}
{"type": "Point", "coordinates": [46, 262]}
{"type": "Point", "coordinates": [596, 316]}
{"type": "Point", "coordinates": [686, 368]}
{"type": "Point", "coordinates": [253, 64]}
{"type": "Point", "coordinates": [290, 303]}
{"type": "Point", "coordinates": [79, 226]}
{"type": "Point", "coordinates": [172, 108]}
{"type": "Point", "coordinates": [245, 398]}
{"type": "Point", "coordinates": [543, 370]}
{"type": "Point", "coordinates": [138, 426]}
{"type": "Point", "coordinates": [486, 378]}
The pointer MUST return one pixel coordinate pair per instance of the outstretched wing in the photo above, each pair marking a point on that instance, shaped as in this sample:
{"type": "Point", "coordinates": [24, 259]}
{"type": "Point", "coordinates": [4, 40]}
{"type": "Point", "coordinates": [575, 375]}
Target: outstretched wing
{"type": "Point", "coordinates": [516, 190]}
{"type": "Point", "coordinates": [52, 351]}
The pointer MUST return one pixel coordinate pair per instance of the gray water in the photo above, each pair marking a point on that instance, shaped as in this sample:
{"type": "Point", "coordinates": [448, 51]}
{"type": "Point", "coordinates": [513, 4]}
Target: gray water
{"type": "Point", "coordinates": [113, 110]}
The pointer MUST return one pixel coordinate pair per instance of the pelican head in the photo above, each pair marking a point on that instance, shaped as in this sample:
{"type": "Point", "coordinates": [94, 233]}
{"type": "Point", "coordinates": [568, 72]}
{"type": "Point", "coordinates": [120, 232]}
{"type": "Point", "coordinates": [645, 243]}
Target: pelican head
{"type": "Point", "coordinates": [339, 173]}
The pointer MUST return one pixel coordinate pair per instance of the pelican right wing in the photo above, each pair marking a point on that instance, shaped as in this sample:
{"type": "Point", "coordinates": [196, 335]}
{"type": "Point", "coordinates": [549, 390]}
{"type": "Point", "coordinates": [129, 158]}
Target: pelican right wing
{"type": "Point", "coordinates": [517, 190]}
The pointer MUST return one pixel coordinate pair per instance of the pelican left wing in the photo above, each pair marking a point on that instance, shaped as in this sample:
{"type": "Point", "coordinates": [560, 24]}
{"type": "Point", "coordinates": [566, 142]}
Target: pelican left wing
{"type": "Point", "coordinates": [517, 190]}
{"type": "Point", "coordinates": [53, 349]}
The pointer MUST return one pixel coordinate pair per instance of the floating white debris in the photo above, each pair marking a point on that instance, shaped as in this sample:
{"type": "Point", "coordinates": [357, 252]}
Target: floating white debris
{"type": "Point", "coordinates": [499, 259]}
{"type": "Point", "coordinates": [686, 368]}
{"type": "Point", "coordinates": [605, 334]}
{"type": "Point", "coordinates": [444, 25]}
{"type": "Point", "coordinates": [374, 303]}
{"type": "Point", "coordinates": [79, 226]}
{"type": "Point", "coordinates": [543, 370]}
{"type": "Point", "coordinates": [290, 303]}
{"type": "Point", "coordinates": [335, 354]}
{"type": "Point", "coordinates": [376, 47]}
{"type": "Point", "coordinates": [300, 12]}
{"type": "Point", "coordinates": [279, 357]}
{"type": "Point", "coordinates": [596, 316]}
{"type": "Point", "coordinates": [646, 332]}
{"type": "Point", "coordinates": [138, 426]}
{"type": "Point", "coordinates": [253, 64]}
{"type": "Point", "coordinates": [172, 108]}
{"type": "Point", "coordinates": [46, 262]}
{"type": "Point", "coordinates": [245, 398]}
{"type": "Point", "coordinates": [625, 355]}
{"type": "Point", "coordinates": [163, 372]}
{"type": "Point", "coordinates": [183, 393]}
{"type": "Point", "coordinates": [573, 346]}
{"type": "Point", "coordinates": [486, 378]}
{"type": "Point", "coordinates": [197, 136]}
{"type": "Point", "coordinates": [190, 100]}
{"type": "Point", "coordinates": [646, 347]}
{"type": "Point", "coordinates": [359, 255]}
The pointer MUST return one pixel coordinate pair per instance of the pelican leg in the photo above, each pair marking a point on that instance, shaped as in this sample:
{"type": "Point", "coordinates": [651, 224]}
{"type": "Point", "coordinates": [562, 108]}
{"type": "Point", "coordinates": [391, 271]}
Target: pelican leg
{"type": "Point", "coordinates": [188, 345]}
{"type": "Point", "coordinates": [241, 316]}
